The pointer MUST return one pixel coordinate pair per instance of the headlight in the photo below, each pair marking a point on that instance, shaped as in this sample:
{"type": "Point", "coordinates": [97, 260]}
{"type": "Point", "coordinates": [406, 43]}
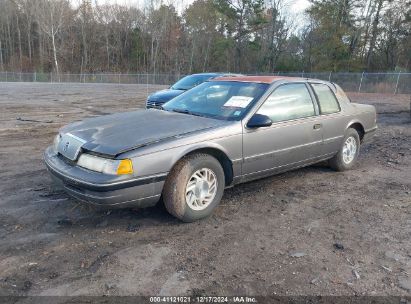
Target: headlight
{"type": "Point", "coordinates": [105, 165]}
{"type": "Point", "coordinates": [56, 142]}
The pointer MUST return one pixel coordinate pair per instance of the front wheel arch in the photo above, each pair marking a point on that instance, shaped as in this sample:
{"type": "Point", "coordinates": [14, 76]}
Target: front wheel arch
{"type": "Point", "coordinates": [221, 156]}
{"type": "Point", "coordinates": [175, 187]}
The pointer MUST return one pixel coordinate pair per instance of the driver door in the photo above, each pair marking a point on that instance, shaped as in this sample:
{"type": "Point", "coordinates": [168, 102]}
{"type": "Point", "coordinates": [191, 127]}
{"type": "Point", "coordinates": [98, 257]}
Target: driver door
{"type": "Point", "coordinates": [294, 138]}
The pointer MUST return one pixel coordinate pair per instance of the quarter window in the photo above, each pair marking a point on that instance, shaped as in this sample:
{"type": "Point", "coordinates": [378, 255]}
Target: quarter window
{"type": "Point", "coordinates": [290, 101]}
{"type": "Point", "coordinates": [326, 98]}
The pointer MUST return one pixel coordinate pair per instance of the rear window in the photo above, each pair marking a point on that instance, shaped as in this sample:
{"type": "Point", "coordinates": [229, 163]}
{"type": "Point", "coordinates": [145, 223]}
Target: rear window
{"type": "Point", "coordinates": [190, 81]}
{"type": "Point", "coordinates": [326, 99]}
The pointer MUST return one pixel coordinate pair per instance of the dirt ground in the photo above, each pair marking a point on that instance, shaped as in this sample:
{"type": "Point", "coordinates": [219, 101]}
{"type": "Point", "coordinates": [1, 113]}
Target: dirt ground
{"type": "Point", "coordinates": [311, 231]}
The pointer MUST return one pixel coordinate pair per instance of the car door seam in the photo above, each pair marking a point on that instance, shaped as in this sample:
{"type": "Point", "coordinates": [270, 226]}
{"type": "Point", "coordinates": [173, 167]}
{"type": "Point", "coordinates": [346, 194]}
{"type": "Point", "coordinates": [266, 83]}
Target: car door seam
{"type": "Point", "coordinates": [282, 150]}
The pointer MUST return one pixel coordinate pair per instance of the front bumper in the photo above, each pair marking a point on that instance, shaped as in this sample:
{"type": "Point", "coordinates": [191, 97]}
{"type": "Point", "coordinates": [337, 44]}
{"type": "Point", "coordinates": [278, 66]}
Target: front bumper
{"type": "Point", "coordinates": [154, 104]}
{"type": "Point", "coordinates": [102, 189]}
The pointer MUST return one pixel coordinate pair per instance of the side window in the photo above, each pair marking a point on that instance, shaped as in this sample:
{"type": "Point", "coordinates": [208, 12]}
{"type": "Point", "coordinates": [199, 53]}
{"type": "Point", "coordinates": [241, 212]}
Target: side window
{"type": "Point", "coordinates": [327, 101]}
{"type": "Point", "coordinates": [289, 101]}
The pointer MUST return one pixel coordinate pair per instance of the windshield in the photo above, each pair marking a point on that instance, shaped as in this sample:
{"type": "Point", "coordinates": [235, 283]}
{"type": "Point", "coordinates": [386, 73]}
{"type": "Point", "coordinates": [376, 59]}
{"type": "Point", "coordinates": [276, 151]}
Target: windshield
{"type": "Point", "coordinates": [189, 82]}
{"type": "Point", "coordinates": [228, 100]}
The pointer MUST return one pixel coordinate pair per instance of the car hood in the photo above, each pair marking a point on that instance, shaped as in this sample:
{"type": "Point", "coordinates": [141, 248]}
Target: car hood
{"type": "Point", "coordinates": [165, 95]}
{"type": "Point", "coordinates": [118, 133]}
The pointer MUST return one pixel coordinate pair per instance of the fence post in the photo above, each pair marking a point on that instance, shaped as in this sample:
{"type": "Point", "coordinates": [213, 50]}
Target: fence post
{"type": "Point", "coordinates": [51, 77]}
{"type": "Point", "coordinates": [119, 78]}
{"type": "Point", "coordinates": [396, 85]}
{"type": "Point", "coordinates": [35, 77]}
{"type": "Point", "coordinates": [329, 76]}
{"type": "Point", "coordinates": [362, 76]}
{"type": "Point", "coordinates": [147, 83]}
{"type": "Point", "coordinates": [6, 77]}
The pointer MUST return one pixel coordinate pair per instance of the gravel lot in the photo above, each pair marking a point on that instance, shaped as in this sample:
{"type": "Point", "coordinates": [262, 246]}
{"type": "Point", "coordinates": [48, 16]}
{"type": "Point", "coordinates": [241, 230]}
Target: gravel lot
{"type": "Point", "coordinates": [276, 236]}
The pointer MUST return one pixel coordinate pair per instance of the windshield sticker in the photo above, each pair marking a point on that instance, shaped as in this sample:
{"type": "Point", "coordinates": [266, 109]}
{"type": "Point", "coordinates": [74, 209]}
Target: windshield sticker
{"type": "Point", "coordinates": [236, 113]}
{"type": "Point", "coordinates": [238, 102]}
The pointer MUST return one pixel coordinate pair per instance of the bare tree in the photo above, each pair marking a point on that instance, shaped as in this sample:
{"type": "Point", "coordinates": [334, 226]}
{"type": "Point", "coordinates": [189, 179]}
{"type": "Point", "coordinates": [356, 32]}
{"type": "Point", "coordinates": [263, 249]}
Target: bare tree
{"type": "Point", "coordinates": [374, 32]}
{"type": "Point", "coordinates": [206, 35]}
{"type": "Point", "coordinates": [26, 9]}
{"type": "Point", "coordinates": [104, 16]}
{"type": "Point", "coordinates": [276, 32]}
{"type": "Point", "coordinates": [52, 14]}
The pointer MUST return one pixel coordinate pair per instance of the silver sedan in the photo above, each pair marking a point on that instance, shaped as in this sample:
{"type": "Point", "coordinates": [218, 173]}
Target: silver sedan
{"type": "Point", "coordinates": [226, 131]}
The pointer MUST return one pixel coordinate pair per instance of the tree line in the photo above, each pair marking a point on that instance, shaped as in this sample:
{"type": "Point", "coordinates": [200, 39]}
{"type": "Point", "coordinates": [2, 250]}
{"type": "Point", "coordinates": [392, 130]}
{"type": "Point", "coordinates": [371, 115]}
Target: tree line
{"type": "Point", "coordinates": [247, 36]}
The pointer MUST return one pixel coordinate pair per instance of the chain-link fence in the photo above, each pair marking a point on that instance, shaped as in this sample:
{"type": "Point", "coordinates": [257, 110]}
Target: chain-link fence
{"type": "Point", "coordinates": [391, 83]}
{"type": "Point", "coordinates": [394, 83]}
{"type": "Point", "coordinates": [159, 79]}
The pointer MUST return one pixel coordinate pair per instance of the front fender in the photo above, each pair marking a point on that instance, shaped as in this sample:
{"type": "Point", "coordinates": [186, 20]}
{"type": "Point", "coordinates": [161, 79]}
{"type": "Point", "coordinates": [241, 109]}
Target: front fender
{"type": "Point", "coordinates": [151, 162]}
{"type": "Point", "coordinates": [199, 146]}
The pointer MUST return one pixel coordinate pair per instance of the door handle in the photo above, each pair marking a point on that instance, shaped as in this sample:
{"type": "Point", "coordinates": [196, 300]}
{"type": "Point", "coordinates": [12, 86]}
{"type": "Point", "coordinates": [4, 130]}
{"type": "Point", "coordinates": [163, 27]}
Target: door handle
{"type": "Point", "coordinates": [317, 126]}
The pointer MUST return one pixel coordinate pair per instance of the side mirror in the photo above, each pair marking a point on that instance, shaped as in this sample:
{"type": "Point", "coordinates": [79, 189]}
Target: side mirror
{"type": "Point", "coordinates": [258, 121]}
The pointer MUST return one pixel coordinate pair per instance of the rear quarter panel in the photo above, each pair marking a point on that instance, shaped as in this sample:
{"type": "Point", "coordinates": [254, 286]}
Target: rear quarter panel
{"type": "Point", "coordinates": [361, 113]}
{"type": "Point", "coordinates": [366, 115]}
{"type": "Point", "coordinates": [336, 124]}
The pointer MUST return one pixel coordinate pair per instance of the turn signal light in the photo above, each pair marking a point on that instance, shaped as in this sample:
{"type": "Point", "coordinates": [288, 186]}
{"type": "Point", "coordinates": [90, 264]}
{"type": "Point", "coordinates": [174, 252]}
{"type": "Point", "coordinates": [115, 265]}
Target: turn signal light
{"type": "Point", "coordinates": [125, 167]}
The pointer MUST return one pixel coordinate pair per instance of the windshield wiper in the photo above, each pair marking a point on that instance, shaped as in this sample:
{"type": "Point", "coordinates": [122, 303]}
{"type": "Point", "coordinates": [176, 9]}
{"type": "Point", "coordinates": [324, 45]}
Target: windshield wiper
{"type": "Point", "coordinates": [179, 89]}
{"type": "Point", "coordinates": [187, 112]}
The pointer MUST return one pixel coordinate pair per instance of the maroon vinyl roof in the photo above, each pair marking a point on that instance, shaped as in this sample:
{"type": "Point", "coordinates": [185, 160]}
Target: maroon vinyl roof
{"type": "Point", "coordinates": [259, 79]}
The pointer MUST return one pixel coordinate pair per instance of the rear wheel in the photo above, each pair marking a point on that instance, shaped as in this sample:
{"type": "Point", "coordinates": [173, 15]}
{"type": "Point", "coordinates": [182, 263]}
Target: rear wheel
{"type": "Point", "coordinates": [346, 157]}
{"type": "Point", "coordinates": [194, 187]}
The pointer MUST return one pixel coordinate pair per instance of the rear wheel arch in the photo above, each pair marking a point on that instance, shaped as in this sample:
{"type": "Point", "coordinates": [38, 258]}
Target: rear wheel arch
{"type": "Point", "coordinates": [359, 128]}
{"type": "Point", "coordinates": [347, 155]}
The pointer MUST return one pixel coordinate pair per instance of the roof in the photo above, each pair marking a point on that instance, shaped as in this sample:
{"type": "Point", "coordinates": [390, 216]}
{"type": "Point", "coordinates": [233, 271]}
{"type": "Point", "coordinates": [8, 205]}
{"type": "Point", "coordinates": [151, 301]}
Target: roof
{"type": "Point", "coordinates": [221, 74]}
{"type": "Point", "coordinates": [259, 79]}
{"type": "Point", "coordinates": [206, 74]}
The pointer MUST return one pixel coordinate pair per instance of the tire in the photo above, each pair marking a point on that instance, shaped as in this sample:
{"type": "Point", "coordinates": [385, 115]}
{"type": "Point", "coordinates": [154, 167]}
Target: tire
{"type": "Point", "coordinates": [184, 203]}
{"type": "Point", "coordinates": [340, 162]}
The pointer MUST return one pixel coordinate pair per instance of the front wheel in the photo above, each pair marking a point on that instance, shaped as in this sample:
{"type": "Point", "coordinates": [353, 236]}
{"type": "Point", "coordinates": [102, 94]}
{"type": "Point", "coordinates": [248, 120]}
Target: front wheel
{"type": "Point", "coordinates": [347, 156]}
{"type": "Point", "coordinates": [194, 187]}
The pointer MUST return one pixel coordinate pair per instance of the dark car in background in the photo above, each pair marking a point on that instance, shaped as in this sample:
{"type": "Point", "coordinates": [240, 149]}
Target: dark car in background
{"type": "Point", "coordinates": [157, 99]}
